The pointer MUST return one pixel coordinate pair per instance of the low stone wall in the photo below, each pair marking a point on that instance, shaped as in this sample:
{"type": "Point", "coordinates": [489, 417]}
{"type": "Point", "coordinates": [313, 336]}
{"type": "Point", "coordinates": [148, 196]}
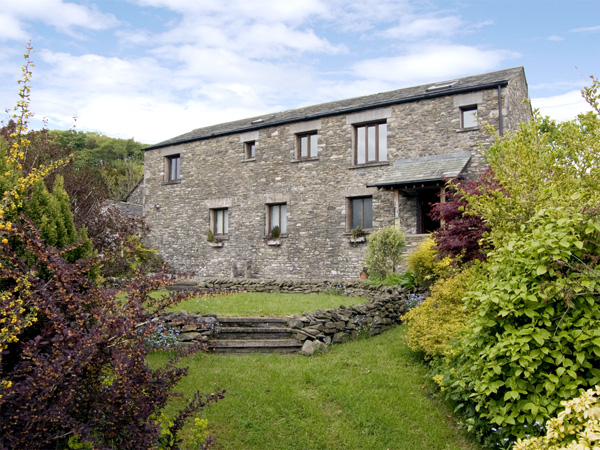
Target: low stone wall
{"type": "Point", "coordinates": [339, 325]}
{"type": "Point", "coordinates": [187, 327]}
{"type": "Point", "coordinates": [343, 288]}
{"type": "Point", "coordinates": [317, 329]}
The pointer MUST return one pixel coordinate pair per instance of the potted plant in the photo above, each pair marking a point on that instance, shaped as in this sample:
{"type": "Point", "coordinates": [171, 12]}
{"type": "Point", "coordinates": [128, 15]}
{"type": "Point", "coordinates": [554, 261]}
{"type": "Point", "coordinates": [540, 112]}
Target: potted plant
{"type": "Point", "coordinates": [358, 235]}
{"type": "Point", "coordinates": [212, 240]}
{"type": "Point", "coordinates": [364, 273]}
{"type": "Point", "coordinates": [273, 238]}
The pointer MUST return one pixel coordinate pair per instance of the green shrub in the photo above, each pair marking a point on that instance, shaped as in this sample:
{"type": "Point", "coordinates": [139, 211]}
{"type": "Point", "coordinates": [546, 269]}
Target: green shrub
{"type": "Point", "coordinates": [534, 340]}
{"type": "Point", "coordinates": [433, 323]}
{"type": "Point", "coordinates": [384, 251]}
{"type": "Point", "coordinates": [425, 265]}
{"type": "Point", "coordinates": [577, 427]}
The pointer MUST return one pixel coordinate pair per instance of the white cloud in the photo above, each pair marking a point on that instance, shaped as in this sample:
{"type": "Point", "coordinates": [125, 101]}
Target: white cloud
{"type": "Point", "coordinates": [555, 38]}
{"type": "Point", "coordinates": [257, 10]}
{"type": "Point", "coordinates": [432, 63]}
{"type": "Point", "coordinates": [412, 29]}
{"type": "Point", "coordinates": [561, 107]}
{"type": "Point", "coordinates": [11, 28]}
{"type": "Point", "coordinates": [61, 15]}
{"type": "Point", "coordinates": [586, 29]}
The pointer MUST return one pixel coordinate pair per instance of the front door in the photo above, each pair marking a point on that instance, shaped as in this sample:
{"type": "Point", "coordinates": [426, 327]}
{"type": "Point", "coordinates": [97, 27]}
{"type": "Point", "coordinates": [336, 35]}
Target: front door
{"type": "Point", "coordinates": [426, 198]}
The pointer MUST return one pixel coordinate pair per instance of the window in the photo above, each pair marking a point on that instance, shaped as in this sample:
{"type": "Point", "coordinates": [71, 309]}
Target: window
{"type": "Point", "coordinates": [277, 217]}
{"type": "Point", "coordinates": [220, 221]}
{"type": "Point", "coordinates": [306, 144]}
{"type": "Point", "coordinates": [468, 117]}
{"type": "Point", "coordinates": [371, 143]}
{"type": "Point", "coordinates": [360, 212]}
{"type": "Point", "coordinates": [173, 168]}
{"type": "Point", "coordinates": [250, 149]}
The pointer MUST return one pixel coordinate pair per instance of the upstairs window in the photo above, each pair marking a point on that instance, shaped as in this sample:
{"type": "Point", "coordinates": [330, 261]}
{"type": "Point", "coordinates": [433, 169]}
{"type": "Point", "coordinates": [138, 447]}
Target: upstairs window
{"type": "Point", "coordinates": [360, 212]}
{"type": "Point", "coordinates": [250, 149]}
{"type": "Point", "coordinates": [277, 217]}
{"type": "Point", "coordinates": [173, 168]}
{"type": "Point", "coordinates": [468, 117]}
{"type": "Point", "coordinates": [220, 221]}
{"type": "Point", "coordinates": [306, 145]}
{"type": "Point", "coordinates": [371, 143]}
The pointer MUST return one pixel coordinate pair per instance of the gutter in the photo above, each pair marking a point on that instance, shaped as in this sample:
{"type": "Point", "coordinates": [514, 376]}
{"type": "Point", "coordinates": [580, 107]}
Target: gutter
{"type": "Point", "coordinates": [498, 84]}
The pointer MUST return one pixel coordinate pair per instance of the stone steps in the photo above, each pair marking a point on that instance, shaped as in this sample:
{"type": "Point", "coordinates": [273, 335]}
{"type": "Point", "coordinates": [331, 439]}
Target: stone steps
{"type": "Point", "coordinates": [254, 335]}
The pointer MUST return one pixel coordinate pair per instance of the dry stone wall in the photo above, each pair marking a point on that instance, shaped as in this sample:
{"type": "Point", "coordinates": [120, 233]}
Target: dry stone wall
{"type": "Point", "coordinates": [384, 309]}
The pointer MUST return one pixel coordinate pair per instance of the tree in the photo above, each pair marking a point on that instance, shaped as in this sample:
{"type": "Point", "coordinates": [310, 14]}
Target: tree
{"type": "Point", "coordinates": [384, 251]}
{"type": "Point", "coordinates": [462, 233]}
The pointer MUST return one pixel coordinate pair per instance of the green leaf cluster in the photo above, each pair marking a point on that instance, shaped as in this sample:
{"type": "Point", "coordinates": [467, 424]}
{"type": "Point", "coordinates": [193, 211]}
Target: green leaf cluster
{"type": "Point", "coordinates": [118, 161]}
{"type": "Point", "coordinates": [534, 337]}
{"type": "Point", "coordinates": [425, 264]}
{"type": "Point", "coordinates": [384, 251]}
{"type": "Point", "coordinates": [441, 317]}
{"type": "Point", "coordinates": [51, 214]}
{"type": "Point", "coordinates": [576, 427]}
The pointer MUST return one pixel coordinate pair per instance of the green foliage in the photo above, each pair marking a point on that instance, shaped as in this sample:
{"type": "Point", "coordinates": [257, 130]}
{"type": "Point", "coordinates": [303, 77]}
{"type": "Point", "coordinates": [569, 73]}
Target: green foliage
{"type": "Point", "coordinates": [51, 213]}
{"type": "Point", "coordinates": [576, 427]}
{"type": "Point", "coordinates": [275, 232]}
{"type": "Point", "coordinates": [357, 232]}
{"type": "Point", "coordinates": [425, 265]}
{"type": "Point", "coordinates": [436, 321]}
{"type": "Point", "coordinates": [210, 236]}
{"type": "Point", "coordinates": [534, 339]}
{"type": "Point", "coordinates": [405, 280]}
{"type": "Point", "coordinates": [119, 161]}
{"type": "Point", "coordinates": [384, 251]}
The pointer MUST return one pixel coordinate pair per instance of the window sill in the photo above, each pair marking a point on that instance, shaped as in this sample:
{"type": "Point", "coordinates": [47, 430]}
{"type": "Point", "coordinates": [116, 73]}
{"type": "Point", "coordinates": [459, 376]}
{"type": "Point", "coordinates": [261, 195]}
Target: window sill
{"type": "Point", "coordinates": [215, 244]}
{"type": "Point", "coordinates": [363, 166]}
{"type": "Point", "coordinates": [466, 130]}
{"type": "Point", "coordinates": [312, 158]}
{"type": "Point", "coordinates": [171, 182]}
{"type": "Point", "coordinates": [358, 240]}
{"type": "Point", "coordinates": [276, 243]}
{"type": "Point", "coordinates": [248, 160]}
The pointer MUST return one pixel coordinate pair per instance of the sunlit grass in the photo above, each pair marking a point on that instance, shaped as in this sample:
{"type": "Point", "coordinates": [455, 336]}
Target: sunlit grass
{"type": "Point", "coordinates": [257, 304]}
{"type": "Point", "coordinates": [366, 394]}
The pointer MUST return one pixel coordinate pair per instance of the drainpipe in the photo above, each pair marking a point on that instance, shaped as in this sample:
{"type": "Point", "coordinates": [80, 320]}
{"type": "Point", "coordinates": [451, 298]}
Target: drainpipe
{"type": "Point", "coordinates": [500, 121]}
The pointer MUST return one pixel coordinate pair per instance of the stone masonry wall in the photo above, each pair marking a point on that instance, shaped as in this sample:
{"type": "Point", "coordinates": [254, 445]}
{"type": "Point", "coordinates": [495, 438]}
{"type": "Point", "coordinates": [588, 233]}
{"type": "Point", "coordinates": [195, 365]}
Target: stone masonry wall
{"type": "Point", "coordinates": [383, 310]}
{"type": "Point", "coordinates": [215, 174]}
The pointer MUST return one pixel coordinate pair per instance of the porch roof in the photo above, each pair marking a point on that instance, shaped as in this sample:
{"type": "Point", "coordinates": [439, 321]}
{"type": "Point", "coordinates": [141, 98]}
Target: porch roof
{"type": "Point", "coordinates": [424, 169]}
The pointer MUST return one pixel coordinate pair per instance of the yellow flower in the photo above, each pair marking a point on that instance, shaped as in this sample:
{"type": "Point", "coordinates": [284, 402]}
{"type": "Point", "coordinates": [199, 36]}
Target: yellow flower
{"type": "Point", "coordinates": [5, 241]}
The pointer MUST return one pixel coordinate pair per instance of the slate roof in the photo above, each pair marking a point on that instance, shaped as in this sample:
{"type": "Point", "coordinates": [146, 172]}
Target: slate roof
{"type": "Point", "coordinates": [411, 94]}
{"type": "Point", "coordinates": [423, 169]}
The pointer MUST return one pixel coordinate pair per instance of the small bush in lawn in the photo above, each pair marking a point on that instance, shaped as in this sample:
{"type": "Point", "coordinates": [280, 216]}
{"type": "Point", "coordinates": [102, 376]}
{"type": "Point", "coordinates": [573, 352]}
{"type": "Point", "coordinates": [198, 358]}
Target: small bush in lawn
{"type": "Point", "coordinates": [426, 265]}
{"type": "Point", "coordinates": [384, 251]}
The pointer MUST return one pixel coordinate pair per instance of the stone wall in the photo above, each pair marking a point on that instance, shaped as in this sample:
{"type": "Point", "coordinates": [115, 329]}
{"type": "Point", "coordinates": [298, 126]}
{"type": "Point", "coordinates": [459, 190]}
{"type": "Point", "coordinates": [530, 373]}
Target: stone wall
{"type": "Point", "coordinates": [216, 174]}
{"type": "Point", "coordinates": [337, 325]}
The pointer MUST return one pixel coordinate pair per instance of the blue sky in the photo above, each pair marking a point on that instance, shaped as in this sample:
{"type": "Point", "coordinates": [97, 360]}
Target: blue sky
{"type": "Point", "coordinates": [154, 69]}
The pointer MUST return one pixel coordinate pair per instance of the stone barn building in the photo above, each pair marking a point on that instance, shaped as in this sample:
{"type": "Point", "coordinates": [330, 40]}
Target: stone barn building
{"type": "Point", "coordinates": [318, 173]}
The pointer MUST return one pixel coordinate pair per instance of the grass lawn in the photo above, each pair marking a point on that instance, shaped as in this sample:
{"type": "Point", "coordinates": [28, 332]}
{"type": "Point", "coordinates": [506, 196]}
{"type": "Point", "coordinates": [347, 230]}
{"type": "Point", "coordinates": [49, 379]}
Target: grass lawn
{"type": "Point", "coordinates": [365, 394]}
{"type": "Point", "coordinates": [257, 304]}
